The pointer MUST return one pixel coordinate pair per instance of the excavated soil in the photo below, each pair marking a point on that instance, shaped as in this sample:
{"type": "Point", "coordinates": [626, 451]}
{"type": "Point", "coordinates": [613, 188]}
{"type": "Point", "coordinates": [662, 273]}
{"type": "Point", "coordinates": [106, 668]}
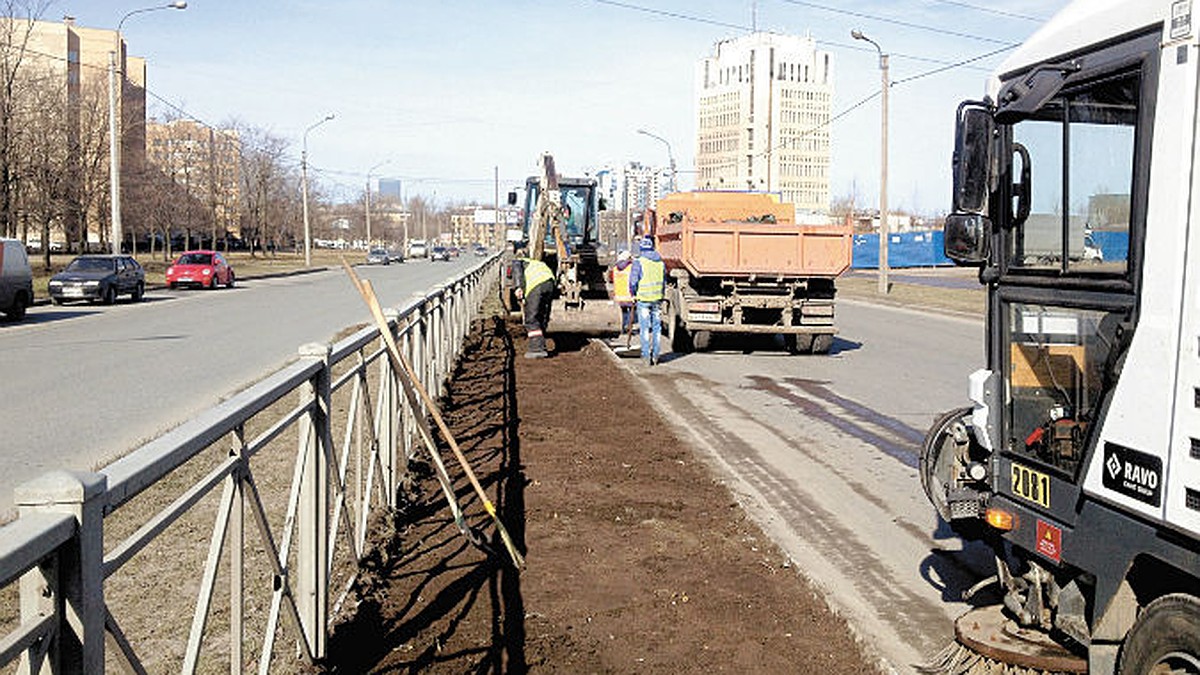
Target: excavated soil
{"type": "Point", "coordinates": [637, 559]}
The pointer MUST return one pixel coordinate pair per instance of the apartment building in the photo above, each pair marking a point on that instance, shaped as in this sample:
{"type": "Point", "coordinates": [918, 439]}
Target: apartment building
{"type": "Point", "coordinates": [634, 186]}
{"type": "Point", "coordinates": [74, 60]}
{"type": "Point", "coordinates": [205, 162]}
{"type": "Point", "coordinates": [763, 105]}
{"type": "Point", "coordinates": [483, 225]}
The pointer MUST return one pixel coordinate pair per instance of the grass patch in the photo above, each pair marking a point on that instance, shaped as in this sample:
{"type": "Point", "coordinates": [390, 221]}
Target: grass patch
{"type": "Point", "coordinates": [964, 301]}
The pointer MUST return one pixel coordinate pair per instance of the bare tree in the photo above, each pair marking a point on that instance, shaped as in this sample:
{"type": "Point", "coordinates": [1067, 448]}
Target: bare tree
{"type": "Point", "coordinates": [41, 171]}
{"type": "Point", "coordinates": [263, 186]}
{"type": "Point", "coordinates": [158, 199]}
{"type": "Point", "coordinates": [222, 170]}
{"type": "Point", "coordinates": [90, 163]}
{"type": "Point", "coordinates": [845, 205]}
{"type": "Point", "coordinates": [16, 29]}
{"type": "Point", "coordinates": [422, 216]}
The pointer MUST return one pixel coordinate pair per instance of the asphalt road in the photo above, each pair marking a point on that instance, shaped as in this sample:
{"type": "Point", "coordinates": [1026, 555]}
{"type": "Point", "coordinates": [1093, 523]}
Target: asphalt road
{"type": "Point", "coordinates": [83, 384]}
{"type": "Point", "coordinates": [822, 451]}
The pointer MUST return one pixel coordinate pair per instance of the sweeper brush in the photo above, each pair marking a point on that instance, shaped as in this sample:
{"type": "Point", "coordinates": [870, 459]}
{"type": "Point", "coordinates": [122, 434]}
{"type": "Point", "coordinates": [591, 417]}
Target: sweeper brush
{"type": "Point", "coordinates": [989, 643]}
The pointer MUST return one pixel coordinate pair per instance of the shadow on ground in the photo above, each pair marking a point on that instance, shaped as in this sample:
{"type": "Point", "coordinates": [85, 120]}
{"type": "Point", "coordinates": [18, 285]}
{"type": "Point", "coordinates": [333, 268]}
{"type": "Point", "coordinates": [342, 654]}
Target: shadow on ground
{"type": "Point", "coordinates": [423, 579]}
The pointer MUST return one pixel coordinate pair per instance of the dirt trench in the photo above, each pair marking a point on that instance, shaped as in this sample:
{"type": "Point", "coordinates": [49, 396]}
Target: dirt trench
{"type": "Point", "coordinates": [637, 559]}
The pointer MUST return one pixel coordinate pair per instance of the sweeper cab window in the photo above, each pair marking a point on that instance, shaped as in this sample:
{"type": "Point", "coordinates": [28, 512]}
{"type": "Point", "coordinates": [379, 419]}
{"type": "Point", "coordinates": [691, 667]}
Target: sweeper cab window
{"type": "Point", "coordinates": [1075, 157]}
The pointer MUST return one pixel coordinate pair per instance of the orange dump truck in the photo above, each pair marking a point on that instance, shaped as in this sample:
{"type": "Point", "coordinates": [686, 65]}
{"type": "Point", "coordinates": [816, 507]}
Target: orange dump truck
{"type": "Point", "coordinates": [739, 263]}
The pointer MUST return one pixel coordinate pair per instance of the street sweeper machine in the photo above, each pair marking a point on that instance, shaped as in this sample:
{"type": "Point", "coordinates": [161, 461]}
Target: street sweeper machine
{"type": "Point", "coordinates": [1078, 459]}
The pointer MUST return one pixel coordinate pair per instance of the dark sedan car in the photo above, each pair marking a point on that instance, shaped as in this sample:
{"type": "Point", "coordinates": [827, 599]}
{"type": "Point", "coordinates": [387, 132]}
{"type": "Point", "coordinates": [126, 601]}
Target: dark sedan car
{"type": "Point", "coordinates": [440, 253]}
{"type": "Point", "coordinates": [99, 277]}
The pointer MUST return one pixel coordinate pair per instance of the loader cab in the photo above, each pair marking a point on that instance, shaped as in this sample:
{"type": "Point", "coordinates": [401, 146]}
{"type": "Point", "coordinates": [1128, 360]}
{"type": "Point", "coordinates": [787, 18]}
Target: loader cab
{"type": "Point", "coordinates": [580, 207]}
{"type": "Point", "coordinates": [1050, 194]}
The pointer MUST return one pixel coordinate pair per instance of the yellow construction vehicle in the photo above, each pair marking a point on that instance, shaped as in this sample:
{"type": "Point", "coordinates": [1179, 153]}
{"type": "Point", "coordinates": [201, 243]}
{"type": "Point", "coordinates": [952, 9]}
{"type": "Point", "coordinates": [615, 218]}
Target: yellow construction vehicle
{"type": "Point", "coordinates": [561, 226]}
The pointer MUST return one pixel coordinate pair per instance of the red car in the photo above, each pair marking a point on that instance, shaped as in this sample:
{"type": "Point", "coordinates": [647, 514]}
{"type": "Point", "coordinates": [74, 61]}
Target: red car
{"type": "Point", "coordinates": [206, 269]}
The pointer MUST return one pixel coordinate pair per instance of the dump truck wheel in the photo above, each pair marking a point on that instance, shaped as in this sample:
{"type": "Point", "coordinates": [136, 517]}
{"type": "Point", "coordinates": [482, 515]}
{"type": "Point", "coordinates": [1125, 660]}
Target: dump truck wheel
{"type": "Point", "coordinates": [681, 339]}
{"type": "Point", "coordinates": [1165, 639]}
{"type": "Point", "coordinates": [702, 340]}
{"type": "Point", "coordinates": [798, 344]}
{"type": "Point", "coordinates": [821, 343]}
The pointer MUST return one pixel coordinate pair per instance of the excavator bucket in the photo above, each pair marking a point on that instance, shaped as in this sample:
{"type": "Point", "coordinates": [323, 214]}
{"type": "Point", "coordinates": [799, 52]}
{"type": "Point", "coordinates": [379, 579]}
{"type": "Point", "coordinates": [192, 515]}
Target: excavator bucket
{"type": "Point", "coordinates": [594, 318]}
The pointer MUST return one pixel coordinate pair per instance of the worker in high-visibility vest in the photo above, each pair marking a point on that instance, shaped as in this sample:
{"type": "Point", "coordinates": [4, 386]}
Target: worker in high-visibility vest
{"type": "Point", "coordinates": [647, 284]}
{"type": "Point", "coordinates": [534, 284]}
{"type": "Point", "coordinates": [620, 280]}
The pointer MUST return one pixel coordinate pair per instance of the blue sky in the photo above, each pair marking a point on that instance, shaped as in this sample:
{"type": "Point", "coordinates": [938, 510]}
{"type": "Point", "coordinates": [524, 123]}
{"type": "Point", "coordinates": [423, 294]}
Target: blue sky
{"type": "Point", "coordinates": [445, 90]}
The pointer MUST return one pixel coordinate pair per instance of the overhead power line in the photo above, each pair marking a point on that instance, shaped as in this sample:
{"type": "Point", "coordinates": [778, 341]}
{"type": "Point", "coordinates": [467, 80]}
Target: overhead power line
{"type": "Point", "coordinates": [673, 15]}
{"type": "Point", "coordinates": [149, 92]}
{"type": "Point", "coordinates": [992, 10]}
{"type": "Point", "coordinates": [748, 29]}
{"type": "Point", "coordinates": [958, 64]}
{"type": "Point", "coordinates": [941, 30]}
{"type": "Point", "coordinates": [863, 101]}
{"type": "Point", "coordinates": [907, 57]}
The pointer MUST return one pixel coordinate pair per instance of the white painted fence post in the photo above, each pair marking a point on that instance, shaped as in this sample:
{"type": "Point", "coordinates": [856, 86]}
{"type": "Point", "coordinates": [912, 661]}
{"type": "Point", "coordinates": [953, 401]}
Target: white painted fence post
{"type": "Point", "coordinates": [419, 360]}
{"type": "Point", "coordinates": [409, 427]}
{"type": "Point", "coordinates": [72, 582]}
{"type": "Point", "coordinates": [438, 377]}
{"type": "Point", "coordinates": [388, 435]}
{"type": "Point", "coordinates": [312, 539]}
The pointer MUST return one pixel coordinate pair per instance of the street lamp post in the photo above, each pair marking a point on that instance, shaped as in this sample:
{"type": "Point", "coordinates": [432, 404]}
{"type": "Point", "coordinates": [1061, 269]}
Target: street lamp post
{"type": "Point", "coordinates": [368, 199]}
{"type": "Point", "coordinates": [114, 124]}
{"type": "Point", "coordinates": [304, 188]}
{"type": "Point", "coordinates": [670, 155]}
{"type": "Point", "coordinates": [883, 163]}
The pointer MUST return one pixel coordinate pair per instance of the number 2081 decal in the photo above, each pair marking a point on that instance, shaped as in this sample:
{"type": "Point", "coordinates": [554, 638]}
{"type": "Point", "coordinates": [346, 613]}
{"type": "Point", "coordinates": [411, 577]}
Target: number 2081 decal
{"type": "Point", "coordinates": [1030, 485]}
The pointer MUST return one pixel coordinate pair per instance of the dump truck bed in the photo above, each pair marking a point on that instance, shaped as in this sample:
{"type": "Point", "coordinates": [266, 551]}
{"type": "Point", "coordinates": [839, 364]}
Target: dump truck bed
{"type": "Point", "coordinates": [741, 235]}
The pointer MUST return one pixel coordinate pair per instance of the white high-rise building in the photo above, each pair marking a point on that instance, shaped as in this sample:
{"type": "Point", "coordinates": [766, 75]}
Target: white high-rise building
{"type": "Point", "coordinates": [763, 109]}
{"type": "Point", "coordinates": [633, 187]}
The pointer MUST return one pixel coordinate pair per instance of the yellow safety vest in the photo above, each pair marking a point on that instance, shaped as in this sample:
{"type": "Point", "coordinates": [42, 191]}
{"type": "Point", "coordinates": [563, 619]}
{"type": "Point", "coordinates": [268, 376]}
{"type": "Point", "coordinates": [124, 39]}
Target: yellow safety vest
{"type": "Point", "coordinates": [536, 272]}
{"type": "Point", "coordinates": [621, 284]}
{"type": "Point", "coordinates": [650, 286]}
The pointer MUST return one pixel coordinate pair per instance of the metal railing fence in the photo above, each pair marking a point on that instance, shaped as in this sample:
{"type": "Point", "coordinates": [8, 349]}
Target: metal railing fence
{"type": "Point", "coordinates": [271, 494]}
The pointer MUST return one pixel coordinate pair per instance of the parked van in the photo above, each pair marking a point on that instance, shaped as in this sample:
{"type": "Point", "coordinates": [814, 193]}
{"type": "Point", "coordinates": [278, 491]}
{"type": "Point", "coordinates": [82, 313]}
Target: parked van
{"type": "Point", "coordinates": [16, 279]}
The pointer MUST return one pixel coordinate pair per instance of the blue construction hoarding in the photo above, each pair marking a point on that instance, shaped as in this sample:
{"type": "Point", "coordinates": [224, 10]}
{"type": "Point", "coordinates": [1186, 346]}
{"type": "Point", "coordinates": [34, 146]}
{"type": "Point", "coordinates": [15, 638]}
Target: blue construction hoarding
{"type": "Point", "coordinates": [905, 249]}
{"type": "Point", "coordinates": [924, 249]}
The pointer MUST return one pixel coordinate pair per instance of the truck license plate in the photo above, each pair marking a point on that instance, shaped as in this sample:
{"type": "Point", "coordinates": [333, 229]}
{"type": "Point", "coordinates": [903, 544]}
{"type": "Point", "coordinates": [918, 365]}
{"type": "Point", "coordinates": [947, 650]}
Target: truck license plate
{"type": "Point", "coordinates": [1030, 485]}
